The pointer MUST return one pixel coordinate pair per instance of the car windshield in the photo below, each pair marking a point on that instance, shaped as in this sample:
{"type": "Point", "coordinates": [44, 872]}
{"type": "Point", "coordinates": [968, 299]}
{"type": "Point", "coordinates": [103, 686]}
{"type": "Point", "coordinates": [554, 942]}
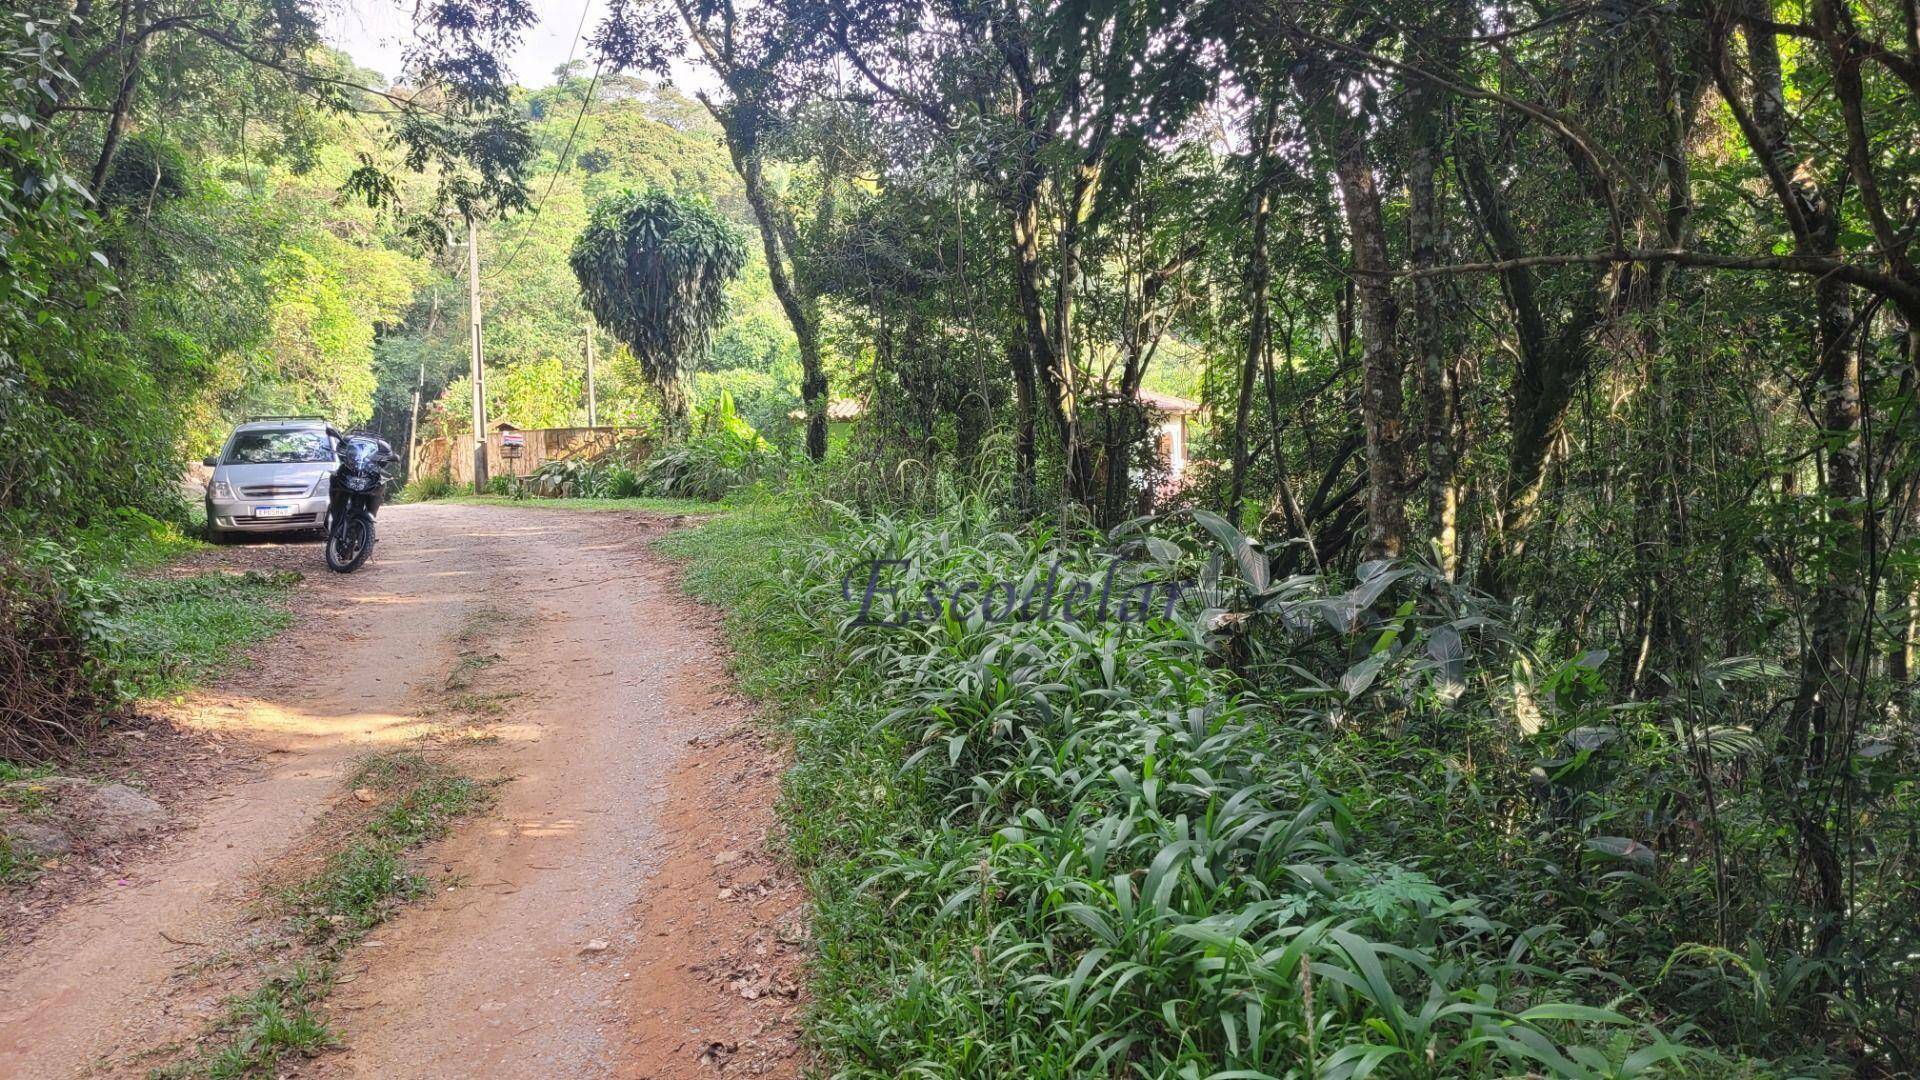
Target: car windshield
{"type": "Point", "coordinates": [282, 447]}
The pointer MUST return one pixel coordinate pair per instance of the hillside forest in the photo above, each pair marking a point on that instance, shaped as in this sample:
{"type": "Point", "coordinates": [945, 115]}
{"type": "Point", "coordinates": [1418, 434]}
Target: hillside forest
{"type": "Point", "coordinates": [1554, 484]}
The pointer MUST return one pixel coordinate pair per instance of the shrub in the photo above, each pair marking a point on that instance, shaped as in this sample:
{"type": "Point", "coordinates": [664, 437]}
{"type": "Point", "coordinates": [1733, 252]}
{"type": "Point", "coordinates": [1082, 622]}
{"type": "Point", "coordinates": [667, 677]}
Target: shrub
{"type": "Point", "coordinates": [560, 478]}
{"type": "Point", "coordinates": [620, 482]}
{"type": "Point", "coordinates": [57, 681]}
{"type": "Point", "coordinates": [1056, 849]}
{"type": "Point", "coordinates": [427, 487]}
{"type": "Point", "coordinates": [709, 466]}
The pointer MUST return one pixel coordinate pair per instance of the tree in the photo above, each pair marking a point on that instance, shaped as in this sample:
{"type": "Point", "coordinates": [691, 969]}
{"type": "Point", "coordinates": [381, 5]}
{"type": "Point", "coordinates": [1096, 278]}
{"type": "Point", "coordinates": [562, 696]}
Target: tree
{"type": "Point", "coordinates": [748, 51]}
{"type": "Point", "coordinates": [653, 270]}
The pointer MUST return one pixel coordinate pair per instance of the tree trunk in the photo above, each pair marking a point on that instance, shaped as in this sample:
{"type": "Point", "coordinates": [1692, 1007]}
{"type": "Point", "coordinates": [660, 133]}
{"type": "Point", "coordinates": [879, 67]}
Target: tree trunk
{"type": "Point", "coordinates": [1381, 366]}
{"type": "Point", "coordinates": [797, 300]}
{"type": "Point", "coordinates": [121, 112]}
{"type": "Point", "coordinates": [1259, 278]}
{"type": "Point", "coordinates": [1287, 503]}
{"type": "Point", "coordinates": [1426, 242]}
{"type": "Point", "coordinates": [1829, 674]}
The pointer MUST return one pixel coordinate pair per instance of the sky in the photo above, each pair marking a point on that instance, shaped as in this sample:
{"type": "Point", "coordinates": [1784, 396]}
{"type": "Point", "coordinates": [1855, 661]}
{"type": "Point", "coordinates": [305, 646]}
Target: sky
{"type": "Point", "coordinates": [375, 33]}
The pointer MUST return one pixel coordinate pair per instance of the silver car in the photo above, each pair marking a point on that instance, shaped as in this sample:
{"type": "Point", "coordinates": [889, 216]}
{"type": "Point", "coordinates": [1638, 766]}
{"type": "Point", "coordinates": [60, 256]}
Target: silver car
{"type": "Point", "coordinates": [271, 476]}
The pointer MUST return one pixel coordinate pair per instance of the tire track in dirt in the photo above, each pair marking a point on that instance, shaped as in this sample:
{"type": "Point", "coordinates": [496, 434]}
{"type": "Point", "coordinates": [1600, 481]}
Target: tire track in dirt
{"type": "Point", "coordinates": [96, 981]}
{"type": "Point", "coordinates": [543, 964]}
{"type": "Point", "coordinates": [589, 929]}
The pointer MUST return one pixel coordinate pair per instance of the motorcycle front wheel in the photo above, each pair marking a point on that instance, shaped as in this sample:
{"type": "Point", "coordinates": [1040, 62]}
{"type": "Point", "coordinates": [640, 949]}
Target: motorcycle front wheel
{"type": "Point", "coordinates": [349, 542]}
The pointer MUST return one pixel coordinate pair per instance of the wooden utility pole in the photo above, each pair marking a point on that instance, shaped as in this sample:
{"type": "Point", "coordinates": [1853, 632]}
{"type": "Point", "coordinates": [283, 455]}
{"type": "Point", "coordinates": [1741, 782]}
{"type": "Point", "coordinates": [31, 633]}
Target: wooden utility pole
{"type": "Point", "coordinates": [413, 418]}
{"type": "Point", "coordinates": [593, 412]}
{"type": "Point", "coordinates": [479, 372]}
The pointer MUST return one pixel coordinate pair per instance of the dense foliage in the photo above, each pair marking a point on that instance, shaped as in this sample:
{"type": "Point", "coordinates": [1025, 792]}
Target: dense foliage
{"type": "Point", "coordinates": [654, 271]}
{"type": "Point", "coordinates": [1047, 848]}
{"type": "Point", "coordinates": [1607, 313]}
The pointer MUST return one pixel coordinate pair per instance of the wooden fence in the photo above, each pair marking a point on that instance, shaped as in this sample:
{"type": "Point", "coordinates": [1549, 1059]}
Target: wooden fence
{"type": "Point", "coordinates": [539, 446]}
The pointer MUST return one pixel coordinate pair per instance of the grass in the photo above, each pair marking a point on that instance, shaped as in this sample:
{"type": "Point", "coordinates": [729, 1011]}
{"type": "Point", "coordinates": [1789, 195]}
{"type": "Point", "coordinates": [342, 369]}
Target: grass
{"type": "Point", "coordinates": [358, 888]}
{"type": "Point", "coordinates": [17, 866]}
{"type": "Point", "coordinates": [17, 788]}
{"type": "Point", "coordinates": [1052, 850]}
{"type": "Point", "coordinates": [176, 632]}
{"type": "Point", "coordinates": [161, 635]}
{"type": "Point", "coordinates": [473, 647]}
{"type": "Point", "coordinates": [19, 795]}
{"type": "Point", "coordinates": [130, 540]}
{"type": "Point", "coordinates": [278, 1020]}
{"type": "Point", "coordinates": [361, 885]}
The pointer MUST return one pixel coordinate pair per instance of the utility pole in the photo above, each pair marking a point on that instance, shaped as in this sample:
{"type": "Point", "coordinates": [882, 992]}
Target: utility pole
{"type": "Point", "coordinates": [593, 413]}
{"type": "Point", "coordinates": [413, 419]}
{"type": "Point", "coordinates": [479, 371]}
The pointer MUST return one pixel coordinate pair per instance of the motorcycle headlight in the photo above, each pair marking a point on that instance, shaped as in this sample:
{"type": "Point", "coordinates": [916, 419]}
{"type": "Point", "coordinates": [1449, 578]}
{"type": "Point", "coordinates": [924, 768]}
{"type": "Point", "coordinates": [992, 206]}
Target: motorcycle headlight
{"type": "Point", "coordinates": [358, 483]}
{"type": "Point", "coordinates": [222, 490]}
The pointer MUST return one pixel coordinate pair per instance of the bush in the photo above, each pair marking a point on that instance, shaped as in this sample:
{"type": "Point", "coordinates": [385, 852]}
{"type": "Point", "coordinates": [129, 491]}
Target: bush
{"type": "Point", "coordinates": [501, 484]}
{"type": "Point", "coordinates": [709, 466]}
{"type": "Point", "coordinates": [57, 681]}
{"type": "Point", "coordinates": [1057, 849]}
{"type": "Point", "coordinates": [428, 487]}
{"type": "Point", "coordinates": [620, 482]}
{"type": "Point", "coordinates": [557, 479]}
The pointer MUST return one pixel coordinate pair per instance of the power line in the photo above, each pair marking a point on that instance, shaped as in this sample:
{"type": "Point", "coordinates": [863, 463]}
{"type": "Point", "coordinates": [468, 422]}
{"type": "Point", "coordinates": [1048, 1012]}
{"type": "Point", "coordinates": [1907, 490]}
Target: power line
{"type": "Point", "coordinates": [592, 84]}
{"type": "Point", "coordinates": [557, 174]}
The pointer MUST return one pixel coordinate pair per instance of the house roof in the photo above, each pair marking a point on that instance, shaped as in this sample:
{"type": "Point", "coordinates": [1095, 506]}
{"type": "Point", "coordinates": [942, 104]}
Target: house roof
{"type": "Point", "coordinates": [1166, 403]}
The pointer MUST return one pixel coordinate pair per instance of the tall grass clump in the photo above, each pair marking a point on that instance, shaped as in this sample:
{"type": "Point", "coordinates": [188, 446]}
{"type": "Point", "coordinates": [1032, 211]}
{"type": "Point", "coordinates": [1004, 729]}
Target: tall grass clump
{"type": "Point", "coordinates": [1048, 849]}
{"type": "Point", "coordinates": [427, 487]}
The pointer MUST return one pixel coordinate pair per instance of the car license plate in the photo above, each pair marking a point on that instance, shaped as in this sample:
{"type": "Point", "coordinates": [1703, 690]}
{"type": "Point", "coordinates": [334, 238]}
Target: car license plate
{"type": "Point", "coordinates": [272, 511]}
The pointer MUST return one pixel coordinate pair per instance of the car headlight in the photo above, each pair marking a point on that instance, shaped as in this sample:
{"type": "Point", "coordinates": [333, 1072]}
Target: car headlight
{"type": "Point", "coordinates": [222, 490]}
{"type": "Point", "coordinates": [320, 486]}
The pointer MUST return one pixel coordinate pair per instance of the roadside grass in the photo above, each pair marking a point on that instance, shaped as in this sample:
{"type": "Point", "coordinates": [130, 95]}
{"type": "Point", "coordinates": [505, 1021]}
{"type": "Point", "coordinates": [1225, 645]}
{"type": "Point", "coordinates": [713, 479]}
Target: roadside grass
{"type": "Point", "coordinates": [358, 888]}
{"type": "Point", "coordinates": [129, 540]}
{"type": "Point", "coordinates": [17, 788]}
{"type": "Point", "coordinates": [135, 635]}
{"type": "Point", "coordinates": [17, 865]}
{"type": "Point", "coordinates": [1054, 850]}
{"type": "Point", "coordinates": [650, 503]}
{"type": "Point", "coordinates": [729, 563]}
{"type": "Point", "coordinates": [20, 795]}
{"type": "Point", "coordinates": [161, 635]}
{"type": "Point", "coordinates": [173, 633]}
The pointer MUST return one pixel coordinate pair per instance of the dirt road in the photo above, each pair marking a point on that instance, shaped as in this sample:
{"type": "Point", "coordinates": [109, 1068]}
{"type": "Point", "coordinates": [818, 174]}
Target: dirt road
{"type": "Point", "coordinates": [614, 914]}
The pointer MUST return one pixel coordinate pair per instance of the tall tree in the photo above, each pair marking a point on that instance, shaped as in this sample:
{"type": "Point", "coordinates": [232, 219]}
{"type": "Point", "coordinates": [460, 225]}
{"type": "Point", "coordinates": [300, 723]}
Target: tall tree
{"type": "Point", "coordinates": [747, 51]}
{"type": "Point", "coordinates": [653, 270]}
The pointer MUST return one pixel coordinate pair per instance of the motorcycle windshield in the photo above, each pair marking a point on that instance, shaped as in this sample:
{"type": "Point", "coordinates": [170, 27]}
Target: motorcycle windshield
{"type": "Point", "coordinates": [359, 454]}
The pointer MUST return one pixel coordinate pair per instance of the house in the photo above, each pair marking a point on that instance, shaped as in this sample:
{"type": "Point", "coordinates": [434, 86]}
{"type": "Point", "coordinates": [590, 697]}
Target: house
{"type": "Point", "coordinates": [839, 411]}
{"type": "Point", "coordinates": [1170, 442]}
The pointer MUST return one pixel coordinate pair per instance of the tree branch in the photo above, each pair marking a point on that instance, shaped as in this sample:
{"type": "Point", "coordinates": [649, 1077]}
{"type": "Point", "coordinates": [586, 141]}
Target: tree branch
{"type": "Point", "coordinates": [1903, 293]}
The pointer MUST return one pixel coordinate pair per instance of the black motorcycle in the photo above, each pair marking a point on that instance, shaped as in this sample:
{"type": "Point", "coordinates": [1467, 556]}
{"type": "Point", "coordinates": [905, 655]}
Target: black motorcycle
{"type": "Point", "coordinates": [353, 497]}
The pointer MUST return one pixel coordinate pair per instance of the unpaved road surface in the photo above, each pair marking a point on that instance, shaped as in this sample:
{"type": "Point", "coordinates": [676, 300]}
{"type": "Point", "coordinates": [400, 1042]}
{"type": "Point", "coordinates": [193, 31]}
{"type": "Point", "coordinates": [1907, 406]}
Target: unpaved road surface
{"type": "Point", "coordinates": [615, 914]}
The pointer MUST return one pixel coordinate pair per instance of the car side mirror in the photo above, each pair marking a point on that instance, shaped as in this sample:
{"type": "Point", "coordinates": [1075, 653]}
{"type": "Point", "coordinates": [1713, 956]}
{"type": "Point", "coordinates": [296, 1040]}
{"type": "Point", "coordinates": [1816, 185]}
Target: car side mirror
{"type": "Point", "coordinates": [210, 462]}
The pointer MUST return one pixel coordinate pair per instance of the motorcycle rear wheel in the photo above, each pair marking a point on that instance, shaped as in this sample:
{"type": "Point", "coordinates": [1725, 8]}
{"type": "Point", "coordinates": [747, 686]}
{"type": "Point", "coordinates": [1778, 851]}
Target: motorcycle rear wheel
{"type": "Point", "coordinates": [349, 542]}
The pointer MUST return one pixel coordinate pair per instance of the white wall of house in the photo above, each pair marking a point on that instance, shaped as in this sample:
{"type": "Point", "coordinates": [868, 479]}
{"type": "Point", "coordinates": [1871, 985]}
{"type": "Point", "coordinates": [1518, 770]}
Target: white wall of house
{"type": "Point", "coordinates": [1173, 436]}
